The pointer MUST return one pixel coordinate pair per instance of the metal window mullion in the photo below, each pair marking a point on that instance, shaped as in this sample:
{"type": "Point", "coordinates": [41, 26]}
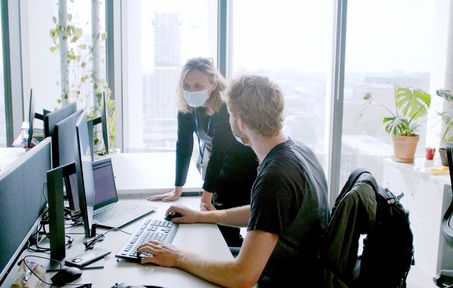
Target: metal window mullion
{"type": "Point", "coordinates": [12, 68]}
{"type": "Point", "coordinates": [222, 36]}
{"type": "Point", "coordinates": [334, 157]}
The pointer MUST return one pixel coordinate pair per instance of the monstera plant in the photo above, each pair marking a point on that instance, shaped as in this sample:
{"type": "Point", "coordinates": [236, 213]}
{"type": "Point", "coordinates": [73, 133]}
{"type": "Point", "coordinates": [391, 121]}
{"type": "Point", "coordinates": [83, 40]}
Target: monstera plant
{"type": "Point", "coordinates": [403, 121]}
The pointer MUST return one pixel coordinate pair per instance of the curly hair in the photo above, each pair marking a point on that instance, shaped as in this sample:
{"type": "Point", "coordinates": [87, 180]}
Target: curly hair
{"type": "Point", "coordinates": [206, 66]}
{"type": "Point", "coordinates": [258, 102]}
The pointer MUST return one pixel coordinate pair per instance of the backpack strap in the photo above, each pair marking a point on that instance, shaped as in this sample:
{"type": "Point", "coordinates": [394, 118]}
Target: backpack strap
{"type": "Point", "coordinates": [352, 179]}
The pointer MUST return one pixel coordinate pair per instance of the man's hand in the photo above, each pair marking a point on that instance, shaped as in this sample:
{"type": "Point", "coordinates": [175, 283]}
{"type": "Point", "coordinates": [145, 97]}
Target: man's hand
{"type": "Point", "coordinates": [162, 254]}
{"type": "Point", "coordinates": [169, 196]}
{"type": "Point", "coordinates": [187, 215]}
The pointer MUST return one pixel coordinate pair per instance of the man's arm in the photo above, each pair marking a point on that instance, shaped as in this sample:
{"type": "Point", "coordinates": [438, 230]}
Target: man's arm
{"type": "Point", "coordinates": [243, 271]}
{"type": "Point", "coordinates": [237, 216]}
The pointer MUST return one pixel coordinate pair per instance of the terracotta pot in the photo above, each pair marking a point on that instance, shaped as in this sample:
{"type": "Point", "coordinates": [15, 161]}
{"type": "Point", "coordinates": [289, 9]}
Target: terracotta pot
{"type": "Point", "coordinates": [404, 148]}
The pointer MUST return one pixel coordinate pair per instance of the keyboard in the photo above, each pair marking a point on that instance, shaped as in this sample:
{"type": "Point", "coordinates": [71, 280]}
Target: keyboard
{"type": "Point", "coordinates": [150, 229]}
{"type": "Point", "coordinates": [106, 214]}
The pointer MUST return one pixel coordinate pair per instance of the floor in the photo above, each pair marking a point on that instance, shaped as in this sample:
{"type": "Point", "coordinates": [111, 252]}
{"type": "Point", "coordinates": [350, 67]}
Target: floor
{"type": "Point", "coordinates": [419, 279]}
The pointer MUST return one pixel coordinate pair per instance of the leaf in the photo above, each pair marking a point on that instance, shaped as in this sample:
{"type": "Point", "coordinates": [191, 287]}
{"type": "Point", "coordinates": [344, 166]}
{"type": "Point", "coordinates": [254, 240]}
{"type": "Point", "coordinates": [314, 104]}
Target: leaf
{"type": "Point", "coordinates": [446, 94]}
{"type": "Point", "coordinates": [412, 104]}
{"type": "Point", "coordinates": [367, 96]}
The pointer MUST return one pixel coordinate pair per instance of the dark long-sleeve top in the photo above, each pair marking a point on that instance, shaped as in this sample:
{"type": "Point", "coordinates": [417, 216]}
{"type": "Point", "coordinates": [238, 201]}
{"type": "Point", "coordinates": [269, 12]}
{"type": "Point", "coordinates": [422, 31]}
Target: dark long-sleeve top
{"type": "Point", "coordinates": [232, 166]}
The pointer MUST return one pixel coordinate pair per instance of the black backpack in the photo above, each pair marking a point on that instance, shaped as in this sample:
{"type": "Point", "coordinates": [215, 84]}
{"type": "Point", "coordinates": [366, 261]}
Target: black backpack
{"type": "Point", "coordinates": [388, 250]}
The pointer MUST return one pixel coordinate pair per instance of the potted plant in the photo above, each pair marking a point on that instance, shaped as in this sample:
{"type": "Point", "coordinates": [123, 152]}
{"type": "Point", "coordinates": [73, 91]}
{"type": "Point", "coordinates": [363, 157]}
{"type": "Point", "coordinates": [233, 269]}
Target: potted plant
{"type": "Point", "coordinates": [402, 123]}
{"type": "Point", "coordinates": [447, 119]}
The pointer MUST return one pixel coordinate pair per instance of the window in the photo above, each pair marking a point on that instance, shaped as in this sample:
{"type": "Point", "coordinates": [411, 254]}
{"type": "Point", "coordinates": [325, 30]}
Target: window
{"type": "Point", "coordinates": [2, 93]}
{"type": "Point", "coordinates": [290, 43]}
{"type": "Point", "coordinates": [159, 37]}
{"type": "Point", "coordinates": [387, 44]}
{"type": "Point", "coordinates": [42, 71]}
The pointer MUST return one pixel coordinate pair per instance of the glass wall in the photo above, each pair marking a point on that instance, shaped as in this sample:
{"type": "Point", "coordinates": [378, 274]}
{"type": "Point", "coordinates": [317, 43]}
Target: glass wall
{"type": "Point", "coordinates": [2, 93]}
{"type": "Point", "coordinates": [291, 43]}
{"type": "Point", "coordinates": [388, 43]}
{"type": "Point", "coordinates": [159, 36]}
{"type": "Point", "coordinates": [41, 56]}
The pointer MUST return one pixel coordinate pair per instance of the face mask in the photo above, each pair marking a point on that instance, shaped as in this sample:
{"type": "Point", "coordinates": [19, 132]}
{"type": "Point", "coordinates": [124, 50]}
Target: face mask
{"type": "Point", "coordinates": [197, 98]}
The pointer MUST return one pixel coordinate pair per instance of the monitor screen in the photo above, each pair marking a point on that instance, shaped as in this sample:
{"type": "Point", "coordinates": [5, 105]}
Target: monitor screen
{"type": "Point", "coordinates": [50, 121]}
{"type": "Point", "coordinates": [104, 185]}
{"type": "Point", "coordinates": [31, 117]}
{"type": "Point", "coordinates": [64, 137]}
{"type": "Point", "coordinates": [84, 171]}
{"type": "Point", "coordinates": [22, 185]}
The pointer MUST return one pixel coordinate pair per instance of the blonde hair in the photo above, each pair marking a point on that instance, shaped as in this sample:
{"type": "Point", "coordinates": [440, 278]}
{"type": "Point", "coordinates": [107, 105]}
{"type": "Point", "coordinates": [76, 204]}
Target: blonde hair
{"type": "Point", "coordinates": [206, 66]}
{"type": "Point", "coordinates": [258, 102]}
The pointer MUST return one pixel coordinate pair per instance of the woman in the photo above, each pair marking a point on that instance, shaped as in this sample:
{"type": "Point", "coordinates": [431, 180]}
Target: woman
{"type": "Point", "coordinates": [228, 168]}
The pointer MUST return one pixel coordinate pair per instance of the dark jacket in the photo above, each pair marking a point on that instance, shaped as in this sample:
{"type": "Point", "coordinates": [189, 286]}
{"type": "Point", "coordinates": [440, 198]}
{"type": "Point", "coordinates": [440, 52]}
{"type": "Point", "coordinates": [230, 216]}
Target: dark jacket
{"type": "Point", "coordinates": [231, 167]}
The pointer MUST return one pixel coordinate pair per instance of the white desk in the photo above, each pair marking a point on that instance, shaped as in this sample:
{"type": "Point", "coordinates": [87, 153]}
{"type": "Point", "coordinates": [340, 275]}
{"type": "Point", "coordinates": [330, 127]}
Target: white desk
{"type": "Point", "coordinates": [202, 239]}
{"type": "Point", "coordinates": [139, 175]}
{"type": "Point", "coordinates": [150, 173]}
{"type": "Point", "coordinates": [9, 155]}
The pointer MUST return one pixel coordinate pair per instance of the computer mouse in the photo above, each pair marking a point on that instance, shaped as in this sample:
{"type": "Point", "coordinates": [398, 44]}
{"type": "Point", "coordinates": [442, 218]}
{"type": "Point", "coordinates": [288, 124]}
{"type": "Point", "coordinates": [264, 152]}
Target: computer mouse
{"type": "Point", "coordinates": [66, 275]}
{"type": "Point", "coordinates": [172, 214]}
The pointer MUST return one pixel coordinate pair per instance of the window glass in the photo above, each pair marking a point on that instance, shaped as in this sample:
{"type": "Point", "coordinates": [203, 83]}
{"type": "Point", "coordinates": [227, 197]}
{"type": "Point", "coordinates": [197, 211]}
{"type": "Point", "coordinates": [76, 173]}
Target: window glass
{"type": "Point", "coordinates": [290, 43]}
{"type": "Point", "coordinates": [159, 37]}
{"type": "Point", "coordinates": [38, 20]}
{"type": "Point", "coordinates": [380, 54]}
{"type": "Point", "coordinates": [2, 93]}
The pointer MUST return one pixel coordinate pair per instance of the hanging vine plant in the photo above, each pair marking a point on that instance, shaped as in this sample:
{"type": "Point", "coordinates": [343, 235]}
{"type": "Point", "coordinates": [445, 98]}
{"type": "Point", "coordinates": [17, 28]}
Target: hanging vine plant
{"type": "Point", "coordinates": [81, 80]}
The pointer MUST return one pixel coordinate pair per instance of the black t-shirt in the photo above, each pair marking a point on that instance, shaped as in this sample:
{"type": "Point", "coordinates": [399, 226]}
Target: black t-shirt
{"type": "Point", "coordinates": [289, 198]}
{"type": "Point", "coordinates": [231, 167]}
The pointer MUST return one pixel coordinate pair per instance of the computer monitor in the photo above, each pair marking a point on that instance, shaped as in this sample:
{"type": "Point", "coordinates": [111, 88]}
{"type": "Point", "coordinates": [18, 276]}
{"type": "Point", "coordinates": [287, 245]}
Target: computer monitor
{"type": "Point", "coordinates": [84, 170]}
{"type": "Point", "coordinates": [103, 185]}
{"type": "Point", "coordinates": [31, 117]}
{"type": "Point", "coordinates": [63, 140]}
{"type": "Point", "coordinates": [104, 118]}
{"type": "Point", "coordinates": [51, 119]}
{"type": "Point", "coordinates": [104, 126]}
{"type": "Point", "coordinates": [22, 201]}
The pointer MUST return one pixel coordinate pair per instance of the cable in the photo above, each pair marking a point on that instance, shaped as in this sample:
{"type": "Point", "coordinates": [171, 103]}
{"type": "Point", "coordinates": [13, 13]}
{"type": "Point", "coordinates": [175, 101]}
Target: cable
{"type": "Point", "coordinates": [89, 244]}
{"type": "Point", "coordinates": [36, 275]}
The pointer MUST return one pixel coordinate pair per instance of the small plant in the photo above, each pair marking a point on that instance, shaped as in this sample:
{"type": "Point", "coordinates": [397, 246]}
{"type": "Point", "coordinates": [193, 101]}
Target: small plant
{"type": "Point", "coordinates": [411, 105]}
{"type": "Point", "coordinates": [447, 117]}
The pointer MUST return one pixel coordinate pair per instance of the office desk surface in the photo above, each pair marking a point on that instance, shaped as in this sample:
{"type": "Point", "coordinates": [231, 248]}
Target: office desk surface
{"type": "Point", "coordinates": [9, 155]}
{"type": "Point", "coordinates": [150, 173]}
{"type": "Point", "coordinates": [203, 239]}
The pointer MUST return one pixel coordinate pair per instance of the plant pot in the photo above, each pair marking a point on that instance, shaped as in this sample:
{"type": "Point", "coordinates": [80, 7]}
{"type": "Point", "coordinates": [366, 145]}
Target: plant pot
{"type": "Point", "coordinates": [404, 148]}
{"type": "Point", "coordinates": [443, 156]}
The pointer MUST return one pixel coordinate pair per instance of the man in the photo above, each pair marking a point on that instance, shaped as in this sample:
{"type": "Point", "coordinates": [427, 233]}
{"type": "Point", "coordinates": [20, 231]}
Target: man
{"type": "Point", "coordinates": [288, 213]}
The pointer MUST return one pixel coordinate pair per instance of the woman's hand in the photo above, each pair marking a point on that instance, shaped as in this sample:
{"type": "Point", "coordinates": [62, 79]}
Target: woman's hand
{"type": "Point", "coordinates": [169, 196]}
{"type": "Point", "coordinates": [206, 202]}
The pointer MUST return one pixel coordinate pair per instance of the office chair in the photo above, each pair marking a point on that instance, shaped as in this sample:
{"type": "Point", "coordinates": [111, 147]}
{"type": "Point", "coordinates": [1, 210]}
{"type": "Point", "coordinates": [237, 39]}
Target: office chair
{"type": "Point", "coordinates": [445, 279]}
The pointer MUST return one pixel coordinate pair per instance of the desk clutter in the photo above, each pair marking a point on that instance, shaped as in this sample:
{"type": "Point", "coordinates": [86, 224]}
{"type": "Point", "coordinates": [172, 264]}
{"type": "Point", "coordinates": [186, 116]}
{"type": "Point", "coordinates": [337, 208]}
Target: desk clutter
{"type": "Point", "coordinates": [30, 275]}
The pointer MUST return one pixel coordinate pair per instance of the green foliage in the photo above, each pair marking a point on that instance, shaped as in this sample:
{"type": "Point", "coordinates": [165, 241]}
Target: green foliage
{"type": "Point", "coordinates": [447, 117]}
{"type": "Point", "coordinates": [83, 81]}
{"type": "Point", "coordinates": [411, 106]}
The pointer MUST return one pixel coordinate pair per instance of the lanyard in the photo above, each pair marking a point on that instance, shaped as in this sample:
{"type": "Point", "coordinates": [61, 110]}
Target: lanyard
{"type": "Point", "coordinates": [200, 148]}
